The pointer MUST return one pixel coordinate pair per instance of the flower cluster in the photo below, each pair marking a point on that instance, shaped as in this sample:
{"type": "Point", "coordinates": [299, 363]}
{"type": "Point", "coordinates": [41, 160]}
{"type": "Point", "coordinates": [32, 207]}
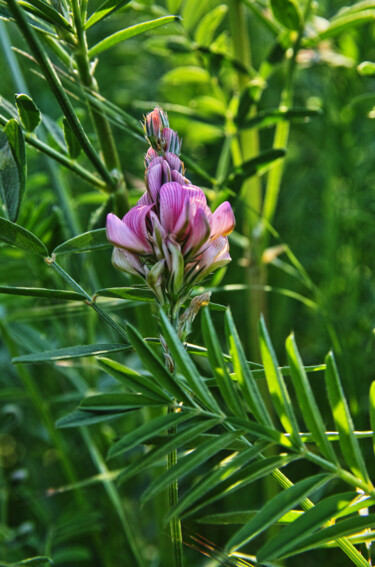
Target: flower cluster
{"type": "Point", "coordinates": [170, 239]}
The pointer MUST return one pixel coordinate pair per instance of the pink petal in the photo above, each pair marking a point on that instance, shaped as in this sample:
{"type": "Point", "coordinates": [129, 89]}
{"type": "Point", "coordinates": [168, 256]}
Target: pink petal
{"type": "Point", "coordinates": [223, 221]}
{"type": "Point", "coordinates": [135, 219]}
{"type": "Point", "coordinates": [174, 207]}
{"type": "Point", "coordinates": [174, 161]}
{"type": "Point", "coordinates": [145, 200]}
{"type": "Point", "coordinates": [127, 262]}
{"type": "Point", "coordinates": [199, 228]}
{"type": "Point", "coordinates": [215, 256]}
{"type": "Point", "coordinates": [120, 235]}
{"type": "Point", "coordinates": [179, 178]}
{"type": "Point", "coordinates": [154, 180]}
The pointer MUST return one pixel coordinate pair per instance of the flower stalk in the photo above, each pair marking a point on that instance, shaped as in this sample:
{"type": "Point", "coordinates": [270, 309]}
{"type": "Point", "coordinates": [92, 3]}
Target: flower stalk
{"type": "Point", "coordinates": [172, 241]}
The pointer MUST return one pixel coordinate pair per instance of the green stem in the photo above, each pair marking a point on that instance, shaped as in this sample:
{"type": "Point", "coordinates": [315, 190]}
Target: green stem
{"type": "Point", "coordinates": [282, 129]}
{"type": "Point", "coordinates": [61, 158]}
{"type": "Point", "coordinates": [101, 124]}
{"type": "Point", "coordinates": [251, 191]}
{"type": "Point", "coordinates": [175, 523]}
{"type": "Point", "coordinates": [61, 96]}
{"type": "Point", "coordinates": [89, 300]}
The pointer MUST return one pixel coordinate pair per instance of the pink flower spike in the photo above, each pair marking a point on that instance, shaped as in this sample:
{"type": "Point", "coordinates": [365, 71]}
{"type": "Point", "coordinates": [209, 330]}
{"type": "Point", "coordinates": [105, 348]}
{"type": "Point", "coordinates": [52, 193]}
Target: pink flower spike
{"type": "Point", "coordinates": [223, 221]}
{"type": "Point", "coordinates": [127, 262]}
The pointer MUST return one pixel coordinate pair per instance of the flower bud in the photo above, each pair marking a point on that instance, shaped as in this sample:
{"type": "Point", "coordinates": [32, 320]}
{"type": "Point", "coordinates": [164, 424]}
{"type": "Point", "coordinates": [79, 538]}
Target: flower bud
{"type": "Point", "coordinates": [172, 142]}
{"type": "Point", "coordinates": [155, 122]}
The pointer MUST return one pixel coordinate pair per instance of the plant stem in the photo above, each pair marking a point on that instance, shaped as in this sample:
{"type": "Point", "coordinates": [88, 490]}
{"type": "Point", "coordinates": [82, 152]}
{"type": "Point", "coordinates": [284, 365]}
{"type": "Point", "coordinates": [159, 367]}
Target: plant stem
{"type": "Point", "coordinates": [60, 94]}
{"type": "Point", "coordinates": [282, 128]}
{"type": "Point", "coordinates": [251, 191]}
{"type": "Point", "coordinates": [175, 523]}
{"type": "Point", "coordinates": [101, 124]}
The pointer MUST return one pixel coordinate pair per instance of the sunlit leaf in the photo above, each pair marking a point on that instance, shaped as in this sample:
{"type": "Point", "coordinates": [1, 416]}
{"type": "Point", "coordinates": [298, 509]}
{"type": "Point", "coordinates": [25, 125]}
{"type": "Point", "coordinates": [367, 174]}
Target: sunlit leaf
{"type": "Point", "coordinates": [295, 534]}
{"type": "Point", "coordinates": [276, 508]}
{"type": "Point", "coordinates": [122, 35]}
{"type": "Point", "coordinates": [276, 385]}
{"type": "Point", "coordinates": [308, 405]}
{"type": "Point", "coordinates": [106, 9]}
{"type": "Point", "coordinates": [343, 420]}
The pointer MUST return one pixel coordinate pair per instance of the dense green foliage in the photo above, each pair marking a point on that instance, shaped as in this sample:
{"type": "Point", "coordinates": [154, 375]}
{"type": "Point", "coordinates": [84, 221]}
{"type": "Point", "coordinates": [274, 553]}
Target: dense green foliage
{"type": "Point", "coordinates": [275, 107]}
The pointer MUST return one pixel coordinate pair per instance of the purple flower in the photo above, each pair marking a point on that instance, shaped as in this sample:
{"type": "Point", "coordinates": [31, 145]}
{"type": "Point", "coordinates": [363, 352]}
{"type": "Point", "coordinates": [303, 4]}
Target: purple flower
{"type": "Point", "coordinates": [171, 238]}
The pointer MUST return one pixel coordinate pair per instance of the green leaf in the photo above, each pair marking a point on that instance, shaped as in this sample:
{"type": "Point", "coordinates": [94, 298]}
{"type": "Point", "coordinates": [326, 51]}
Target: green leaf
{"type": "Point", "coordinates": [186, 365]}
{"type": "Point", "coordinates": [92, 240]}
{"type": "Point", "coordinates": [46, 13]}
{"type": "Point", "coordinates": [12, 167]}
{"type": "Point", "coordinates": [246, 476]}
{"type": "Point", "coordinates": [186, 75]}
{"type": "Point", "coordinates": [265, 159]}
{"type": "Point", "coordinates": [262, 431]}
{"type": "Point", "coordinates": [106, 9]}
{"type": "Point", "coordinates": [366, 69]}
{"type": "Point", "coordinates": [119, 36]}
{"type": "Point", "coordinates": [222, 472]}
{"type": "Point", "coordinates": [73, 145]}
{"type": "Point", "coordinates": [295, 534]}
{"type": "Point", "coordinates": [134, 379]}
{"type": "Point", "coordinates": [77, 351]}
{"type": "Point", "coordinates": [244, 375]}
{"type": "Point", "coordinates": [147, 430]}
{"type": "Point", "coordinates": [171, 443]}
{"type": "Point", "coordinates": [242, 517]}
{"type": "Point", "coordinates": [345, 22]}
{"type": "Point", "coordinates": [35, 561]}
{"type": "Point", "coordinates": [372, 412]}
{"type": "Point", "coordinates": [341, 529]}
{"type": "Point", "coordinates": [28, 111]}
{"type": "Point", "coordinates": [118, 401]}
{"type": "Point", "coordinates": [19, 237]}
{"type": "Point", "coordinates": [219, 368]}
{"type": "Point", "coordinates": [266, 118]}
{"type": "Point", "coordinates": [208, 25]}
{"type": "Point", "coordinates": [189, 462]}
{"type": "Point", "coordinates": [343, 420]}
{"type": "Point", "coordinates": [43, 292]}
{"type": "Point", "coordinates": [132, 293]}
{"type": "Point", "coordinates": [277, 387]}
{"type": "Point", "coordinates": [276, 508]}
{"type": "Point", "coordinates": [308, 405]}
{"type": "Point", "coordinates": [80, 418]}
{"type": "Point", "coordinates": [155, 366]}
{"type": "Point", "coordinates": [287, 13]}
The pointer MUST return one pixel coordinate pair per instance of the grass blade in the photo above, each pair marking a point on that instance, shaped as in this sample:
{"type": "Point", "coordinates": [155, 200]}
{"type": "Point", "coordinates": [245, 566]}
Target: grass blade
{"type": "Point", "coordinates": [309, 408]}
{"type": "Point", "coordinates": [119, 36]}
{"type": "Point", "coordinates": [275, 509]}
{"type": "Point", "coordinates": [277, 387]}
{"type": "Point", "coordinates": [343, 420]}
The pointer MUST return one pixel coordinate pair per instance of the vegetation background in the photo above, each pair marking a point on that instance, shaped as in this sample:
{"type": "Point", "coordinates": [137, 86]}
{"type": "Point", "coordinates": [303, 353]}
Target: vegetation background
{"type": "Point", "coordinates": [239, 80]}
